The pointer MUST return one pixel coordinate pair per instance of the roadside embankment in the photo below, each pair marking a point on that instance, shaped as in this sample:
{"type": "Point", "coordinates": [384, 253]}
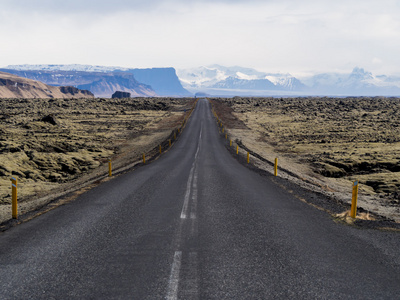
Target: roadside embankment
{"type": "Point", "coordinates": [324, 144]}
{"type": "Point", "coordinates": [58, 147]}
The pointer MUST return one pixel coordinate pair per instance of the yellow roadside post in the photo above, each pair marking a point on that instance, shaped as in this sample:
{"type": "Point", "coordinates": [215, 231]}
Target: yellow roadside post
{"type": "Point", "coordinates": [159, 148]}
{"type": "Point", "coordinates": [174, 135]}
{"type": "Point", "coordinates": [179, 130]}
{"type": "Point", "coordinates": [276, 167]}
{"type": "Point", "coordinates": [14, 197]}
{"type": "Point", "coordinates": [248, 157]}
{"type": "Point", "coordinates": [109, 168]}
{"type": "Point", "coordinates": [230, 142]}
{"type": "Point", "coordinates": [169, 141]}
{"type": "Point", "coordinates": [226, 136]}
{"type": "Point", "coordinates": [353, 211]}
{"type": "Point", "coordinates": [223, 129]}
{"type": "Point", "coordinates": [237, 149]}
{"type": "Point", "coordinates": [144, 158]}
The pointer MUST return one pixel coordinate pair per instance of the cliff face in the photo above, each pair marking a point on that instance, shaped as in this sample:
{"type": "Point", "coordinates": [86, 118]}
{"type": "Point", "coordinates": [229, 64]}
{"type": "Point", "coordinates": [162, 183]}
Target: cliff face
{"type": "Point", "coordinates": [108, 83]}
{"type": "Point", "coordinates": [163, 80]}
{"type": "Point", "coordinates": [12, 86]}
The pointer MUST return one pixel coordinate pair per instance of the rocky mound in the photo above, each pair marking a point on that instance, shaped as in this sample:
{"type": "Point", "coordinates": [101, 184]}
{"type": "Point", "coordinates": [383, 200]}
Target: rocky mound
{"type": "Point", "coordinates": [120, 95]}
{"type": "Point", "coordinates": [12, 86]}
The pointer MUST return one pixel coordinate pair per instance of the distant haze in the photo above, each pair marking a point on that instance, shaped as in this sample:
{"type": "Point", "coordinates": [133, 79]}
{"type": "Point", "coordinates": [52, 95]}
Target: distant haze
{"type": "Point", "coordinates": [301, 37]}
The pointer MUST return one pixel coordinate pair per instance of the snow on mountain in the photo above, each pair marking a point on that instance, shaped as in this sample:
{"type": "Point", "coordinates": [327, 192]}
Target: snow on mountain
{"type": "Point", "coordinates": [358, 82]}
{"type": "Point", "coordinates": [286, 81]}
{"type": "Point", "coordinates": [216, 76]}
{"type": "Point", "coordinates": [243, 76]}
{"type": "Point", "coordinates": [233, 83]}
{"type": "Point", "coordinates": [200, 77]}
{"type": "Point", "coordinates": [71, 67]}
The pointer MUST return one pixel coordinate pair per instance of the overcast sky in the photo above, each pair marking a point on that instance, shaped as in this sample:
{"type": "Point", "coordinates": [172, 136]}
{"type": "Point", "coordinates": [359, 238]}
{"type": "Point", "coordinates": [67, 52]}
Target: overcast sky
{"type": "Point", "coordinates": [294, 36]}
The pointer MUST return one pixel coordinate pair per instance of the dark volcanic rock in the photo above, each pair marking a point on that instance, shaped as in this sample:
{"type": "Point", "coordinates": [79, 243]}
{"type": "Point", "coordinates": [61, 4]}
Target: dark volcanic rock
{"type": "Point", "coordinates": [73, 90]}
{"type": "Point", "coordinates": [119, 94]}
{"type": "Point", "coordinates": [50, 119]}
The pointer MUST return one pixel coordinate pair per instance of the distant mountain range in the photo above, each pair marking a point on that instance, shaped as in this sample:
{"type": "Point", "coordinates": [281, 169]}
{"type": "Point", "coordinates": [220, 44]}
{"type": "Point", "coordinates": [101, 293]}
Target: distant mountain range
{"type": "Point", "coordinates": [220, 80]}
{"type": "Point", "coordinates": [212, 80]}
{"type": "Point", "coordinates": [104, 81]}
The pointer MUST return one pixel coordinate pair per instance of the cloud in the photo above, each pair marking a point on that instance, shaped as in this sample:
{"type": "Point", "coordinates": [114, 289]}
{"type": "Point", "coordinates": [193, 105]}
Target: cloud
{"type": "Point", "coordinates": [288, 35]}
{"type": "Point", "coordinates": [106, 6]}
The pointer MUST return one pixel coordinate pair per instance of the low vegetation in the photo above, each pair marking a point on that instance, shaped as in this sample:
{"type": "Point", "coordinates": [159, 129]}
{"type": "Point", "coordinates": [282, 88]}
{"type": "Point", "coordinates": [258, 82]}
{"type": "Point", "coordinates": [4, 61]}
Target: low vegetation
{"type": "Point", "coordinates": [48, 142]}
{"type": "Point", "coordinates": [343, 138]}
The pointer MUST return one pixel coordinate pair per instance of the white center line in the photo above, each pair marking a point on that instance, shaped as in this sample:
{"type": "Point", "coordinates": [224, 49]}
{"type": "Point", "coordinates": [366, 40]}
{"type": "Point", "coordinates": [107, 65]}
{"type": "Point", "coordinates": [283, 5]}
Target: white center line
{"type": "Point", "coordinates": [198, 147]}
{"type": "Point", "coordinates": [192, 175]}
{"type": "Point", "coordinates": [174, 277]}
{"type": "Point", "coordinates": [173, 286]}
{"type": "Point", "coordinates": [194, 197]}
{"type": "Point", "coordinates": [187, 194]}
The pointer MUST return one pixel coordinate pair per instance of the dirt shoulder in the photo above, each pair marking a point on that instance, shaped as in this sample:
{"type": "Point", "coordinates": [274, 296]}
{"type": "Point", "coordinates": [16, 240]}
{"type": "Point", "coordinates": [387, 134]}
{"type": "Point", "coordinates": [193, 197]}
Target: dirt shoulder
{"type": "Point", "coordinates": [324, 144]}
{"type": "Point", "coordinates": [58, 147]}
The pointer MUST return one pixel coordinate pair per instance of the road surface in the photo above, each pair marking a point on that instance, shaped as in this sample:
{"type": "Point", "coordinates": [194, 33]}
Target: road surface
{"type": "Point", "coordinates": [195, 224]}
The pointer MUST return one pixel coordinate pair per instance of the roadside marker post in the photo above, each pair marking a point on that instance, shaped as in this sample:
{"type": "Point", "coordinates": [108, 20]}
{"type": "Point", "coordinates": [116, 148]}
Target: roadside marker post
{"type": "Point", "coordinates": [109, 168]}
{"type": "Point", "coordinates": [237, 149]}
{"type": "Point", "coordinates": [276, 167]}
{"type": "Point", "coordinates": [14, 197]}
{"type": "Point", "coordinates": [248, 157]}
{"type": "Point", "coordinates": [226, 136]}
{"type": "Point", "coordinates": [159, 147]}
{"type": "Point", "coordinates": [230, 142]}
{"type": "Point", "coordinates": [223, 129]}
{"type": "Point", "coordinates": [169, 141]}
{"type": "Point", "coordinates": [353, 211]}
{"type": "Point", "coordinates": [144, 158]}
{"type": "Point", "coordinates": [174, 135]}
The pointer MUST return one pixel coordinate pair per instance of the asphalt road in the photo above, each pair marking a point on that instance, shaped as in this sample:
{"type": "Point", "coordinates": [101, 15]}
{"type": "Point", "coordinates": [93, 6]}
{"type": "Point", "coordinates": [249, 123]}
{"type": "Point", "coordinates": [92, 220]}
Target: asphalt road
{"type": "Point", "coordinates": [195, 224]}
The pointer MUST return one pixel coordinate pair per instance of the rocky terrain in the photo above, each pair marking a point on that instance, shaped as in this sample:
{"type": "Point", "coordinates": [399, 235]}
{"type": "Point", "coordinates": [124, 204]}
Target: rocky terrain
{"type": "Point", "coordinates": [326, 141]}
{"type": "Point", "coordinates": [12, 86]}
{"type": "Point", "coordinates": [47, 143]}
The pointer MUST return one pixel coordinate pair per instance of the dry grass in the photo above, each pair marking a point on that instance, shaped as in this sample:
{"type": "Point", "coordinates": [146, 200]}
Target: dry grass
{"type": "Point", "coordinates": [345, 216]}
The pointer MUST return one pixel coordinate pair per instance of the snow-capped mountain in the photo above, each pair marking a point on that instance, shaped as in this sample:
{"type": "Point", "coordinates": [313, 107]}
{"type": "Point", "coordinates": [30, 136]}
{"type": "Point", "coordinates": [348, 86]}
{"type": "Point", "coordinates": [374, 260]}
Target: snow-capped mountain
{"type": "Point", "coordinates": [220, 80]}
{"type": "Point", "coordinates": [358, 82]}
{"type": "Point", "coordinates": [236, 78]}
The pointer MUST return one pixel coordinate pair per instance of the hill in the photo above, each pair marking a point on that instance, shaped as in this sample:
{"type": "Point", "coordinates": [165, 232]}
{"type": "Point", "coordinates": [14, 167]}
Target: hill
{"type": "Point", "coordinates": [101, 84]}
{"type": "Point", "coordinates": [12, 86]}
